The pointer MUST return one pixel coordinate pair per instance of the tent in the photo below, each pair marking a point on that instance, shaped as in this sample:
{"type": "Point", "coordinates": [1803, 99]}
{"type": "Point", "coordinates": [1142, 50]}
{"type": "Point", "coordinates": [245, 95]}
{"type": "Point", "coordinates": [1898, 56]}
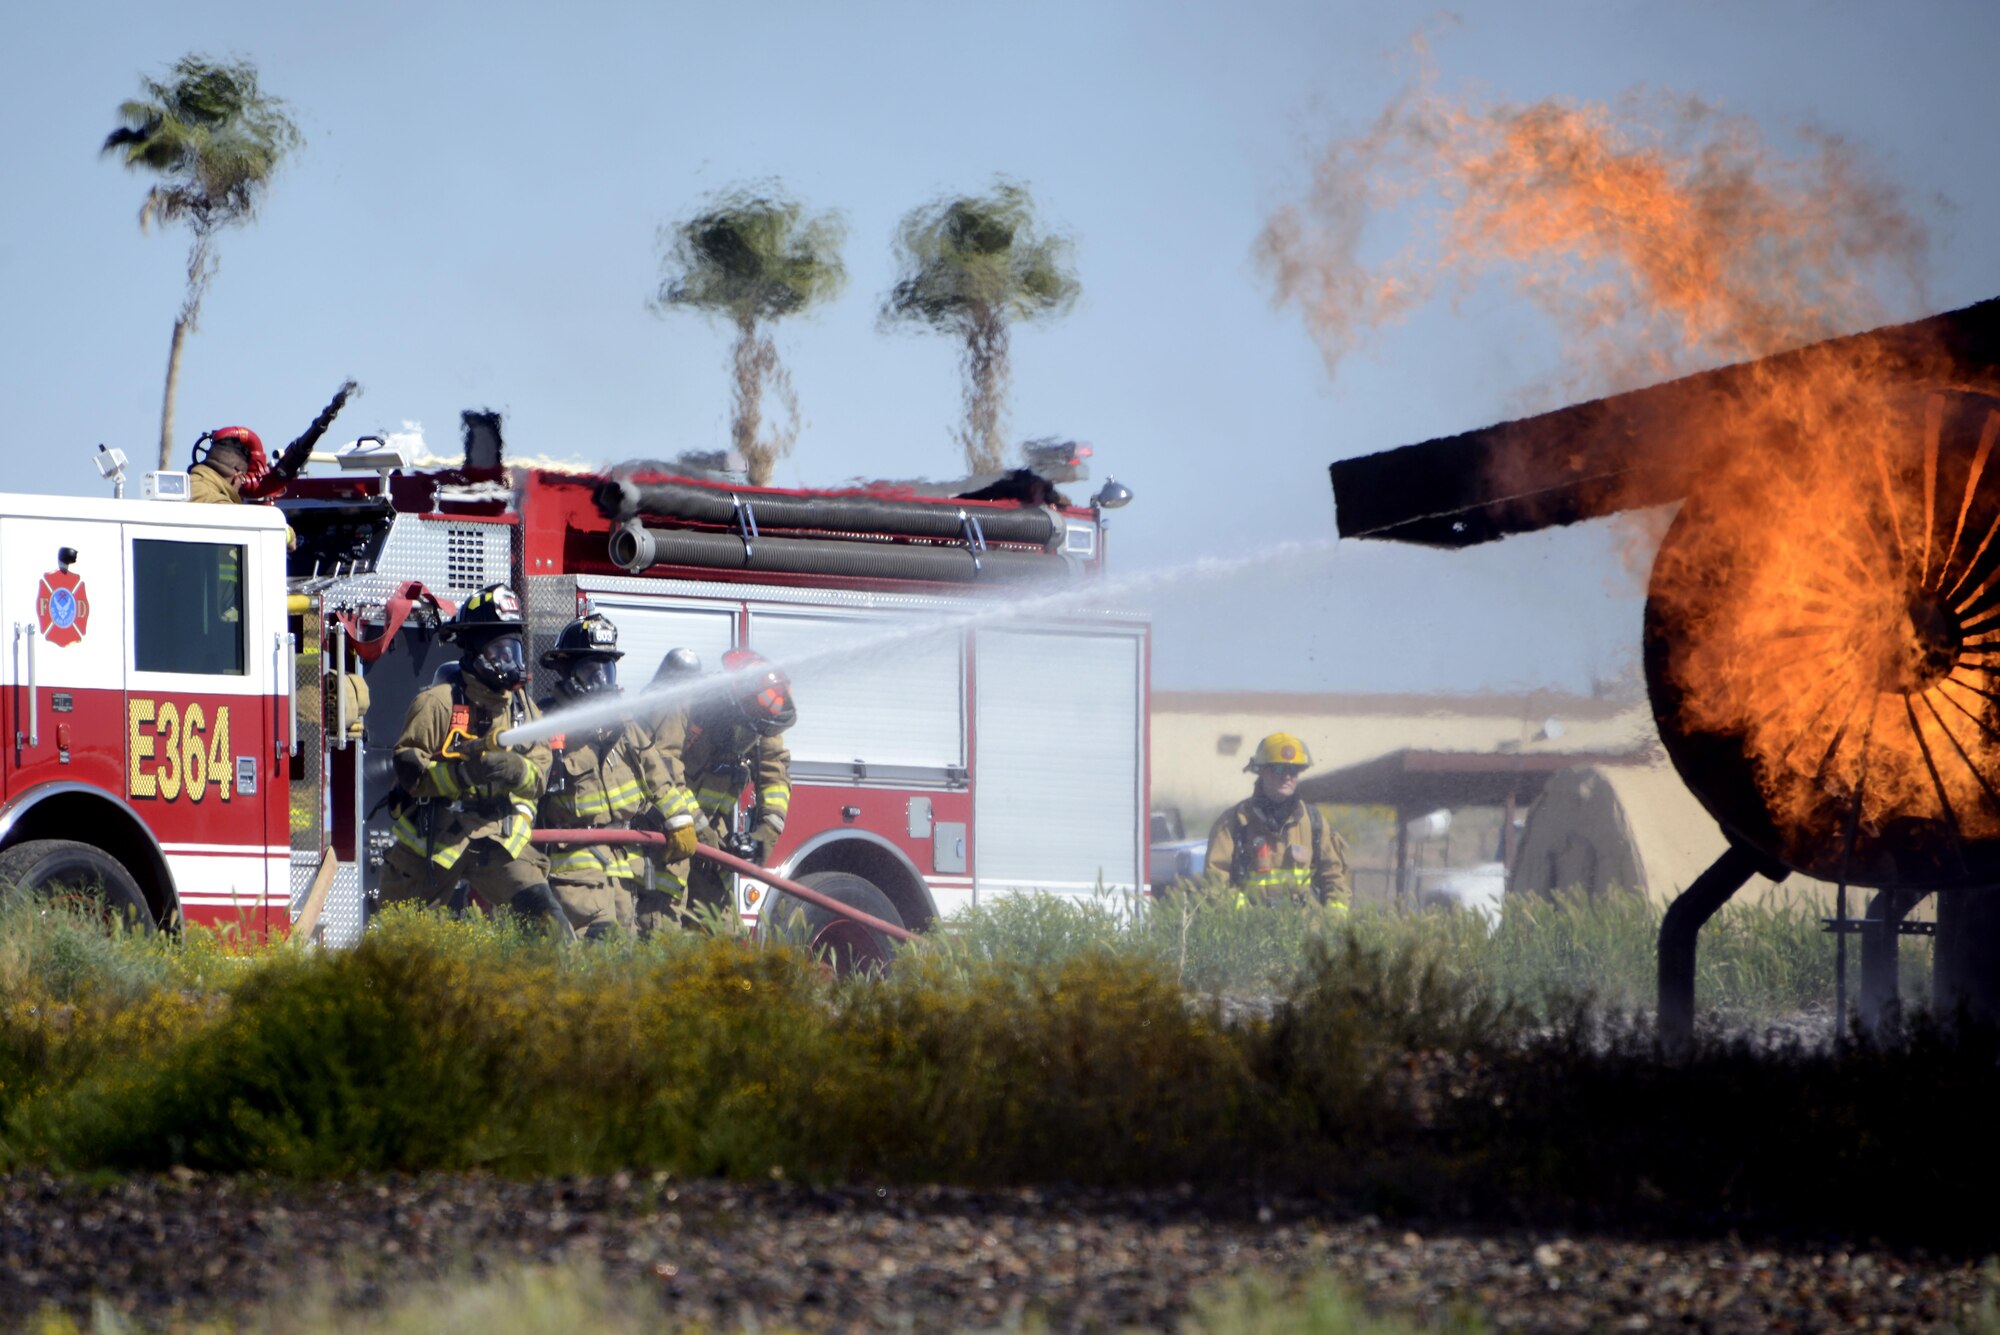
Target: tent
{"type": "Point", "coordinates": [1609, 829]}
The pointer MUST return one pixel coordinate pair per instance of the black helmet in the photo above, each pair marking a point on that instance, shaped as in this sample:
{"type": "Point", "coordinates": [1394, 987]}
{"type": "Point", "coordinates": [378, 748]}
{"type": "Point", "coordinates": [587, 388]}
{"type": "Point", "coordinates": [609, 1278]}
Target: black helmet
{"type": "Point", "coordinates": [494, 610]}
{"type": "Point", "coordinates": [586, 655]}
{"type": "Point", "coordinates": [488, 627]}
{"type": "Point", "coordinates": [678, 665]}
{"type": "Point", "coordinates": [589, 636]}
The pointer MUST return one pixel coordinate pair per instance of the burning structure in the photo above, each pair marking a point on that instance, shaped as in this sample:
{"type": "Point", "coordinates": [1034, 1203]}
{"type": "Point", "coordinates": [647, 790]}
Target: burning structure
{"type": "Point", "coordinates": [1822, 635]}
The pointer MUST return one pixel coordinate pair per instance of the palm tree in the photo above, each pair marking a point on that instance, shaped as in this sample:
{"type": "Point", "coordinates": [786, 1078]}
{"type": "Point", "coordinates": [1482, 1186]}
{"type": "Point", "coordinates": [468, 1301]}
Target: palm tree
{"type": "Point", "coordinates": [215, 141]}
{"type": "Point", "coordinates": [971, 266]}
{"type": "Point", "coordinates": [751, 258]}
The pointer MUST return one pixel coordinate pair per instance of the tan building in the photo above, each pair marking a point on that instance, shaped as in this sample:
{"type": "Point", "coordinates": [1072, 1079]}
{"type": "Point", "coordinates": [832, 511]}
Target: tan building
{"type": "Point", "coordinates": [1201, 739]}
{"type": "Point", "coordinates": [1561, 790]}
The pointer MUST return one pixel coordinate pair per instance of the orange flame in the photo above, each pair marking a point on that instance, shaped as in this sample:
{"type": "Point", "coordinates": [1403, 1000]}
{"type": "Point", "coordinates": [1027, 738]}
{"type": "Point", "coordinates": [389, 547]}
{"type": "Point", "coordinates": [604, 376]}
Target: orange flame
{"type": "Point", "coordinates": [1827, 603]}
{"type": "Point", "coordinates": [1831, 595]}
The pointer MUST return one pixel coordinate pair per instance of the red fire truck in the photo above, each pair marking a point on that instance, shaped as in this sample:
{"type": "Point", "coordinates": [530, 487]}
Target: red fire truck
{"type": "Point", "coordinates": [181, 690]}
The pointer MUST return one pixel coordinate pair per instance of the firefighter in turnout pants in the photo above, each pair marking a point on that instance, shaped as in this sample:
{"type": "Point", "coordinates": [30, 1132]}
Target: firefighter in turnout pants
{"type": "Point", "coordinates": [730, 737]}
{"type": "Point", "coordinates": [1273, 846]}
{"type": "Point", "coordinates": [465, 805]}
{"type": "Point", "coordinates": [602, 779]}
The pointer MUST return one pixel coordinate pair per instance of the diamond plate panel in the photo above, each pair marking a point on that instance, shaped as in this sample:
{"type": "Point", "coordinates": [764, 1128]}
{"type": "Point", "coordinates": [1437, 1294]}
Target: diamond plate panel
{"type": "Point", "coordinates": [343, 917]}
{"type": "Point", "coordinates": [453, 557]}
{"type": "Point", "coordinates": [549, 601]}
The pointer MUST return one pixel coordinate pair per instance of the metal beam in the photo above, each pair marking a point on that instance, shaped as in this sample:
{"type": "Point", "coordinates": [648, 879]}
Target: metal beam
{"type": "Point", "coordinates": [1680, 931]}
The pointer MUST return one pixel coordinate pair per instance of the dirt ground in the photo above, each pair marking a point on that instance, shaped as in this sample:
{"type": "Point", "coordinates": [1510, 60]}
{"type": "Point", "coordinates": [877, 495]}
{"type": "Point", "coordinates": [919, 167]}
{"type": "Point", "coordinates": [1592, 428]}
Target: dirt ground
{"type": "Point", "coordinates": [182, 1247]}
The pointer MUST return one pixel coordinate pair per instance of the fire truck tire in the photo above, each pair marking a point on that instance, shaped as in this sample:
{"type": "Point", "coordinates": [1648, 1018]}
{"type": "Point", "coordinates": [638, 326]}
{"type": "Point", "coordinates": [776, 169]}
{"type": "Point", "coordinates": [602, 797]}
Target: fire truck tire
{"type": "Point", "coordinates": [845, 944]}
{"type": "Point", "coordinates": [45, 866]}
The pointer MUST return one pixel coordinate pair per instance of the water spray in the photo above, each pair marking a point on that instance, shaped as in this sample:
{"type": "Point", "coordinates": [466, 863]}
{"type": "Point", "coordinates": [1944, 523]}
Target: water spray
{"type": "Point", "coordinates": [659, 697]}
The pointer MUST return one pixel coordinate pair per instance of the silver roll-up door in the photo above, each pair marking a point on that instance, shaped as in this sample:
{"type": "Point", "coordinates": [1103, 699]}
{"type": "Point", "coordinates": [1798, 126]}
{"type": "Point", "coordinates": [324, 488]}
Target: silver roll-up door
{"type": "Point", "coordinates": [647, 630]}
{"type": "Point", "coordinates": [1057, 760]}
{"type": "Point", "coordinates": [886, 690]}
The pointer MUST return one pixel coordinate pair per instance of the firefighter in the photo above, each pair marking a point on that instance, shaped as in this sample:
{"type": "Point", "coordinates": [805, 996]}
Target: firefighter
{"type": "Point", "coordinates": [225, 460]}
{"type": "Point", "coordinates": [603, 777]}
{"type": "Point", "coordinates": [215, 476]}
{"type": "Point", "coordinates": [465, 805]}
{"type": "Point", "coordinates": [1273, 846]}
{"type": "Point", "coordinates": [728, 737]}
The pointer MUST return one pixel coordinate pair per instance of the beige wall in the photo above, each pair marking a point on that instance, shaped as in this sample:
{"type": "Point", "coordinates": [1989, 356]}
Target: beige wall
{"type": "Point", "coordinates": [1196, 768]}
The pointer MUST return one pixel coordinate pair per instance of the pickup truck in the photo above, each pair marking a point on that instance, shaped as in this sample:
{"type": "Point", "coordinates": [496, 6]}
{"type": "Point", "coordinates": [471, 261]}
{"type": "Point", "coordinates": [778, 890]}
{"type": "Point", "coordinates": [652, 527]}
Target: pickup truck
{"type": "Point", "coordinates": [1172, 855]}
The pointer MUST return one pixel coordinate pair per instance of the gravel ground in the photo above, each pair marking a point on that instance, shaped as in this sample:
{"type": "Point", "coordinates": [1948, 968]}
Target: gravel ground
{"type": "Point", "coordinates": [182, 1247]}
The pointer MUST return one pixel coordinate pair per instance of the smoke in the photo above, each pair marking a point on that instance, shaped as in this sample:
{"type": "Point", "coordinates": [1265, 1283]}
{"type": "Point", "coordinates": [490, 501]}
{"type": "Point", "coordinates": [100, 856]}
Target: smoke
{"type": "Point", "coordinates": [1657, 234]}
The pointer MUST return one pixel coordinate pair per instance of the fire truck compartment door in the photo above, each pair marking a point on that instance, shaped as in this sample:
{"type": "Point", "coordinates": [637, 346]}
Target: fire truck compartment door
{"type": "Point", "coordinates": [73, 612]}
{"type": "Point", "coordinates": [207, 711]}
{"type": "Point", "coordinates": [886, 690]}
{"type": "Point", "coordinates": [648, 629]}
{"type": "Point", "coordinates": [1058, 763]}
{"type": "Point", "coordinates": [65, 655]}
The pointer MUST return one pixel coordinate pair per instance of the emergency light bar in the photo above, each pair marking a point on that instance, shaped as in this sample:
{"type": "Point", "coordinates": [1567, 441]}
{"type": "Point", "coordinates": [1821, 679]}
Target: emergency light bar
{"type": "Point", "coordinates": [371, 452]}
{"type": "Point", "coordinates": [374, 454]}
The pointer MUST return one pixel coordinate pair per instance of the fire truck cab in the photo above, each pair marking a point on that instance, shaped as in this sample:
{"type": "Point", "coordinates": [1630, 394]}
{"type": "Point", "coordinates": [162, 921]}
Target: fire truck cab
{"type": "Point", "coordinates": [145, 705]}
{"type": "Point", "coordinates": [204, 724]}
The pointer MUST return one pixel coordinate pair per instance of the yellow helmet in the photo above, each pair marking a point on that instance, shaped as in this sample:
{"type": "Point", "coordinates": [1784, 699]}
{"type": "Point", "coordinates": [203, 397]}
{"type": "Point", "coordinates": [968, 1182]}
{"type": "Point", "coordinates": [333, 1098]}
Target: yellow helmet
{"type": "Point", "coordinates": [1280, 748]}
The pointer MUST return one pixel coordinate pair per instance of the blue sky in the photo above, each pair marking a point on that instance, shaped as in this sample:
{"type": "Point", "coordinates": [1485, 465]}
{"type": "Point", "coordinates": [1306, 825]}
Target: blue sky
{"type": "Point", "coordinates": [472, 223]}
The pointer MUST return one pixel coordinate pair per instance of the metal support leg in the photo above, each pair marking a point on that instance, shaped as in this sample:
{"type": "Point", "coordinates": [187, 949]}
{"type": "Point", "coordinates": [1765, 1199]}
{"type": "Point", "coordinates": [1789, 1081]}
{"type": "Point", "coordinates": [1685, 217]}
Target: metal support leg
{"type": "Point", "coordinates": [1881, 1003]}
{"type": "Point", "coordinates": [1967, 974]}
{"type": "Point", "coordinates": [1679, 931]}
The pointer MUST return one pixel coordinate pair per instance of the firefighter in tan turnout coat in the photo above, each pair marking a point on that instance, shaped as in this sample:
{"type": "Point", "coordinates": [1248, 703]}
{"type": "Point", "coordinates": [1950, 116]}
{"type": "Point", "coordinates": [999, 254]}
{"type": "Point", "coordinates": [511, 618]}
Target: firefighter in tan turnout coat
{"type": "Point", "coordinates": [601, 779]}
{"type": "Point", "coordinates": [465, 805]}
{"type": "Point", "coordinates": [1273, 846]}
{"type": "Point", "coordinates": [214, 476]}
{"type": "Point", "coordinates": [729, 738]}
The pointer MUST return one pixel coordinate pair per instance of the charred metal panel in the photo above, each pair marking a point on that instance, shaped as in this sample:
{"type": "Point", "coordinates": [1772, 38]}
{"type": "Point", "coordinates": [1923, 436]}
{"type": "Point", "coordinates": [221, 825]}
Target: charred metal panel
{"type": "Point", "coordinates": [1593, 459]}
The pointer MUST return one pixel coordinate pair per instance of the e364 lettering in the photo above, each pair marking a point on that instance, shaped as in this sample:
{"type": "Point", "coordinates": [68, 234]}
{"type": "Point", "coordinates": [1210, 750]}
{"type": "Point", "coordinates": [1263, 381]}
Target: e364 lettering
{"type": "Point", "coordinates": [174, 751]}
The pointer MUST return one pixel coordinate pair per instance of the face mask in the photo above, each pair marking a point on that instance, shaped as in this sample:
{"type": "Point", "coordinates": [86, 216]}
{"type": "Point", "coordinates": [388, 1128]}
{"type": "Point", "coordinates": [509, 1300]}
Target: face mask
{"type": "Point", "coordinates": [500, 663]}
{"type": "Point", "coordinates": [591, 677]}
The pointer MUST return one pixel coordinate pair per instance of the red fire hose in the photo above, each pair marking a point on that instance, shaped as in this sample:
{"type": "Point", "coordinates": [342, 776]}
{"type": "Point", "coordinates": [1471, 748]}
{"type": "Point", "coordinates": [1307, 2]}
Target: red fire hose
{"type": "Point", "coordinates": [735, 864]}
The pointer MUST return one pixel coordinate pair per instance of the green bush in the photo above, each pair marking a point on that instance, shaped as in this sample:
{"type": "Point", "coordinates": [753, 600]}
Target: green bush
{"type": "Point", "coordinates": [1757, 961]}
{"type": "Point", "coordinates": [434, 1044]}
{"type": "Point", "coordinates": [1411, 1065]}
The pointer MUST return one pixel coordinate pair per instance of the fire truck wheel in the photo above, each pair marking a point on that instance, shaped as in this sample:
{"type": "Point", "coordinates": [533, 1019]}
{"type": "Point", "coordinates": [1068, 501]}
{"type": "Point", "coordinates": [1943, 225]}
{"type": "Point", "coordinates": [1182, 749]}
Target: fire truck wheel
{"type": "Point", "coordinates": [64, 871]}
{"type": "Point", "coordinates": [842, 942]}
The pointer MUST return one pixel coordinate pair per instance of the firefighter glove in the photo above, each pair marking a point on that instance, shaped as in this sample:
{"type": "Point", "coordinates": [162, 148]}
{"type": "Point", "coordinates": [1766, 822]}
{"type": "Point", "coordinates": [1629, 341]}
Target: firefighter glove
{"type": "Point", "coordinates": [766, 837]}
{"type": "Point", "coordinates": [507, 770]}
{"type": "Point", "coordinates": [681, 841]}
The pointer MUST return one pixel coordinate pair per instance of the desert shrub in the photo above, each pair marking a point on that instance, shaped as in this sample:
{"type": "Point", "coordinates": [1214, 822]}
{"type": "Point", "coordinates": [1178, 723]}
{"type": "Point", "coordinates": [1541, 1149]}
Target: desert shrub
{"type": "Point", "coordinates": [1091, 1069]}
{"type": "Point", "coordinates": [1323, 1305]}
{"type": "Point", "coordinates": [434, 1044]}
{"type": "Point", "coordinates": [1757, 960]}
{"type": "Point", "coordinates": [1404, 1064]}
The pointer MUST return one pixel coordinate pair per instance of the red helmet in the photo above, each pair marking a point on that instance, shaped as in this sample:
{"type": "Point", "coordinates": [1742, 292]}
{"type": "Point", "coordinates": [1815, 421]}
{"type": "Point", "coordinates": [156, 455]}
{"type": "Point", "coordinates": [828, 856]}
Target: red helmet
{"type": "Point", "coordinates": [242, 437]}
{"type": "Point", "coordinates": [762, 691]}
